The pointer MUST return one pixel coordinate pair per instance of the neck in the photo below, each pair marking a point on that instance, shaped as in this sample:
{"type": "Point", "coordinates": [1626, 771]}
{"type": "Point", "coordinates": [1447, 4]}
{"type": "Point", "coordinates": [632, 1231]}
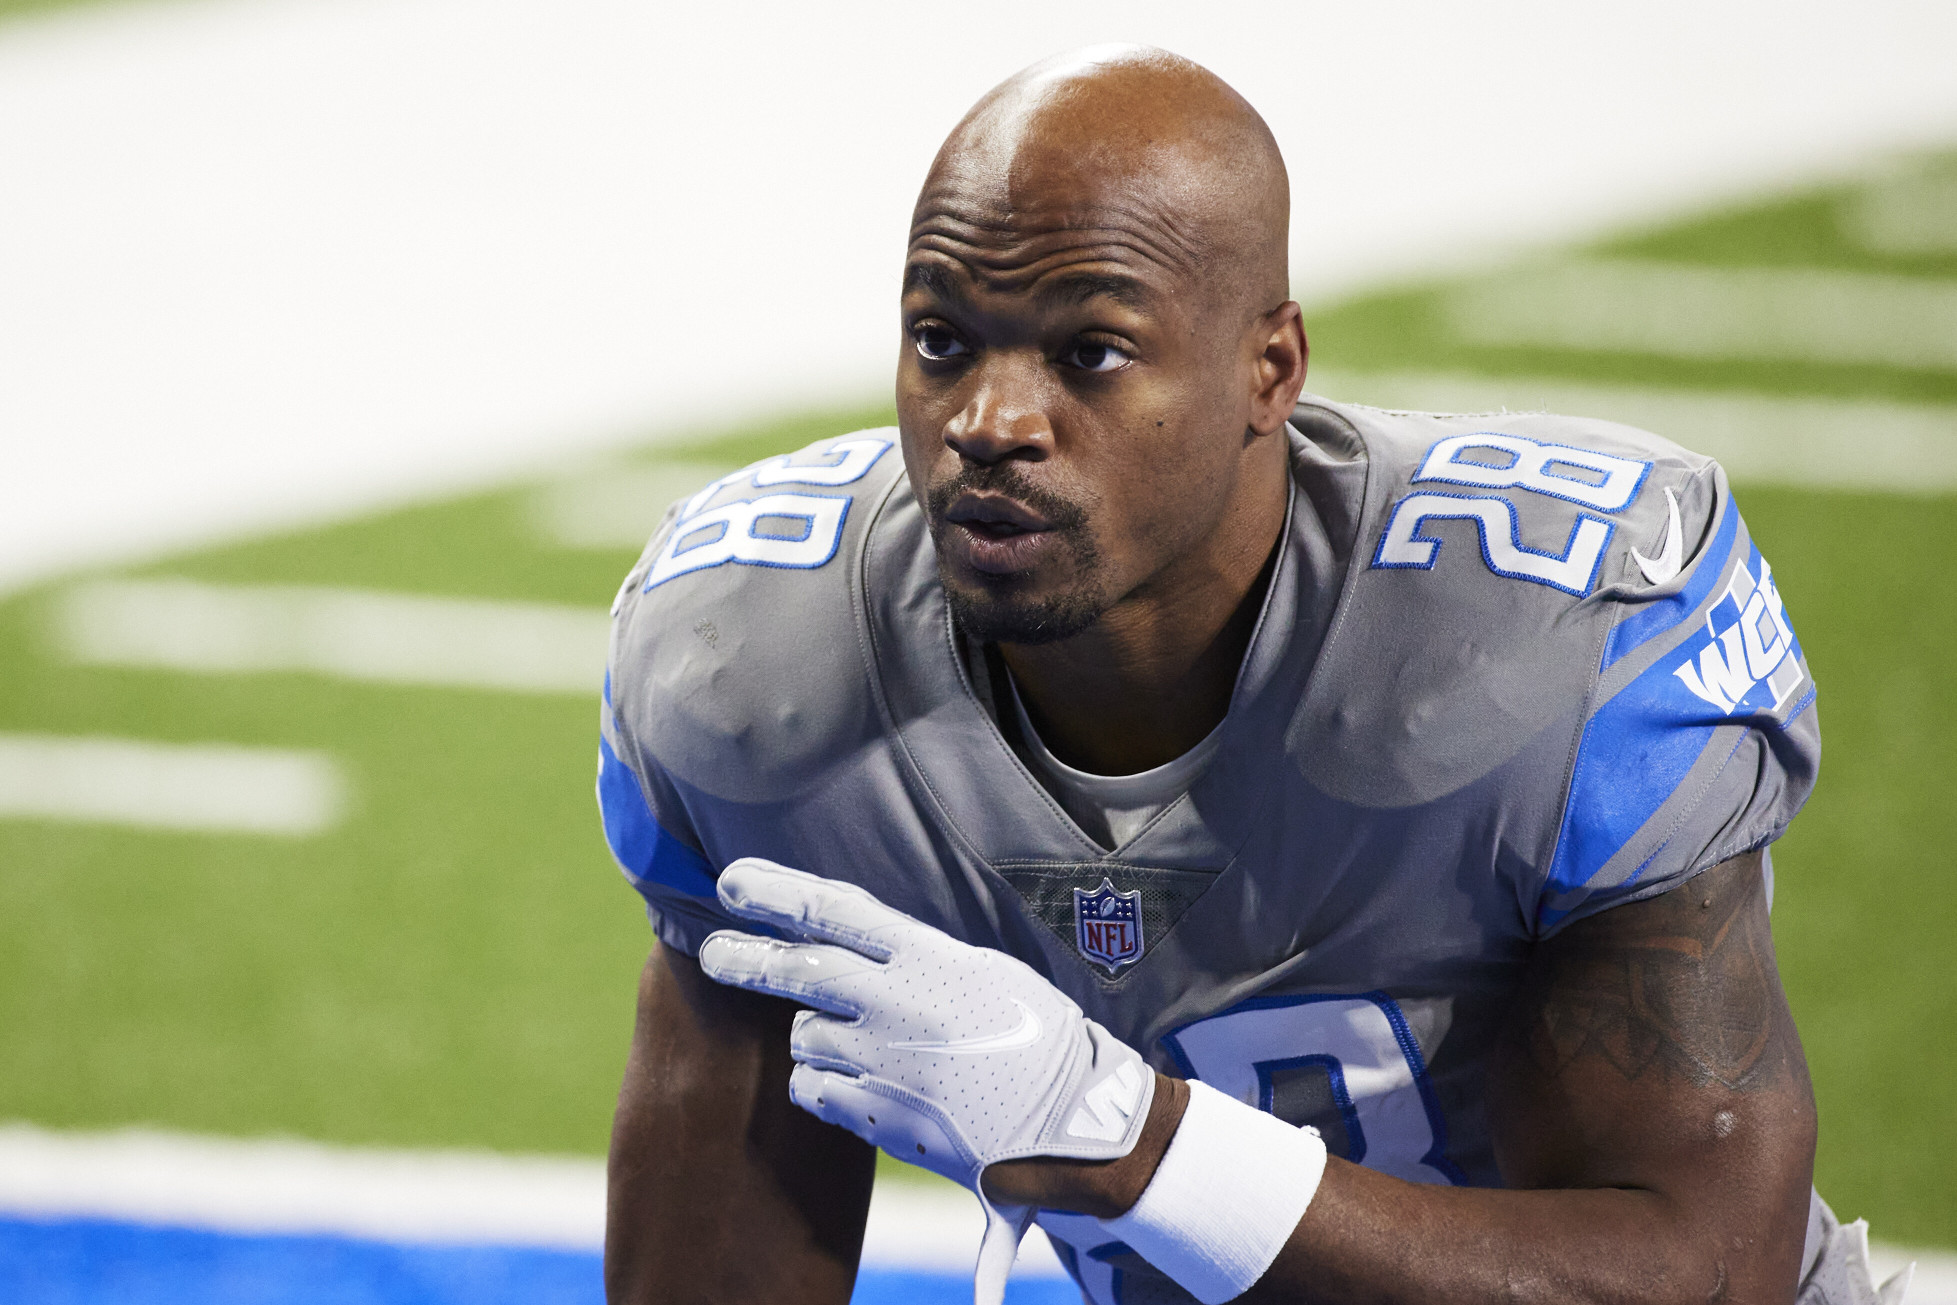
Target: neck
{"type": "Point", "coordinates": [1151, 678]}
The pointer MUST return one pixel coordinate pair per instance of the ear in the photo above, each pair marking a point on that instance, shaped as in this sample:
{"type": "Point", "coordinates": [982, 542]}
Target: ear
{"type": "Point", "coordinates": [1278, 371]}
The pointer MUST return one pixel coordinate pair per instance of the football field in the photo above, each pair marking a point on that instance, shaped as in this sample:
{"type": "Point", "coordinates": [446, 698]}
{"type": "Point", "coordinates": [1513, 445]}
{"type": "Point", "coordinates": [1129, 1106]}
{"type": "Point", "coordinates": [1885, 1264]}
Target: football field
{"type": "Point", "coordinates": [297, 836]}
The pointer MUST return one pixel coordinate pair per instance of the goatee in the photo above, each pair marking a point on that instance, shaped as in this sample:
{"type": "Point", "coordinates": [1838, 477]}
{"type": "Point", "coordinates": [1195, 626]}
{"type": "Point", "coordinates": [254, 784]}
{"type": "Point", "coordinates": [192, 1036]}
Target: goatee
{"type": "Point", "coordinates": [993, 610]}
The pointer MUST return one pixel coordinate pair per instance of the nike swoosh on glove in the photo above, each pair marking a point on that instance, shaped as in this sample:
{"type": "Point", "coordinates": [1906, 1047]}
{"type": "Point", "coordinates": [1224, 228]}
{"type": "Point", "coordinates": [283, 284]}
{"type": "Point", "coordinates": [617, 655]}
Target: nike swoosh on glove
{"type": "Point", "coordinates": [946, 1055]}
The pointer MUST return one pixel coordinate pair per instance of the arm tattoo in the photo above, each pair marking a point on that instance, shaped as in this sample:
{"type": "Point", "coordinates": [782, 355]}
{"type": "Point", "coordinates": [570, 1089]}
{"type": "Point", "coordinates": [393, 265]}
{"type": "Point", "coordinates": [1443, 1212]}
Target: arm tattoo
{"type": "Point", "coordinates": [1682, 984]}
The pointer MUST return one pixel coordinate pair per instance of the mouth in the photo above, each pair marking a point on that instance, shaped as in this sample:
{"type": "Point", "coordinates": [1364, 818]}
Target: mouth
{"type": "Point", "coordinates": [995, 534]}
{"type": "Point", "coordinates": [994, 516]}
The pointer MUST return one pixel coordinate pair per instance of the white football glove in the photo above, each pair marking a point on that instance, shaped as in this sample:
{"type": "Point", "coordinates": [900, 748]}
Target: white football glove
{"type": "Point", "coordinates": [946, 1055]}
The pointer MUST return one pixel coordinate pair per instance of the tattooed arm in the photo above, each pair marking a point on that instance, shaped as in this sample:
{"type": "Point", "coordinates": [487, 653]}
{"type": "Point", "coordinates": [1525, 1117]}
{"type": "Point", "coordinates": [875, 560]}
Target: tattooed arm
{"type": "Point", "coordinates": [1652, 1116]}
{"type": "Point", "coordinates": [1651, 1104]}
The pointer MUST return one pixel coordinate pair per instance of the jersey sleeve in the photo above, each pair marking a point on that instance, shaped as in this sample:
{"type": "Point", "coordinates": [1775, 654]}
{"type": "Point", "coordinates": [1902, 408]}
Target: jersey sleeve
{"type": "Point", "coordinates": [1701, 740]}
{"type": "Point", "coordinates": [653, 841]}
{"type": "Point", "coordinates": [717, 721]}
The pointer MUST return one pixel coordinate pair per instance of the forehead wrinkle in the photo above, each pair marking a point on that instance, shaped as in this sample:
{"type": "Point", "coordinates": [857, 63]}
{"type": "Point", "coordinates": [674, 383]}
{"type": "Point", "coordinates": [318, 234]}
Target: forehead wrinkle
{"type": "Point", "coordinates": [1003, 241]}
{"type": "Point", "coordinates": [1163, 212]}
{"type": "Point", "coordinates": [1071, 275]}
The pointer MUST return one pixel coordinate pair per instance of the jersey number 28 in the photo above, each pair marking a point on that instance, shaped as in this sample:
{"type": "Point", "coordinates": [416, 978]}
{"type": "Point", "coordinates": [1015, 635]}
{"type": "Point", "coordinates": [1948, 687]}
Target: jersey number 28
{"type": "Point", "coordinates": [791, 529]}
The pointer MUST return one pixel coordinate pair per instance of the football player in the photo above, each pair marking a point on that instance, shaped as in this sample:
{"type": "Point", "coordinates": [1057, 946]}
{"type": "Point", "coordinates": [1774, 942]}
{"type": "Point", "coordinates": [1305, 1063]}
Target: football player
{"type": "Point", "coordinates": [1287, 849]}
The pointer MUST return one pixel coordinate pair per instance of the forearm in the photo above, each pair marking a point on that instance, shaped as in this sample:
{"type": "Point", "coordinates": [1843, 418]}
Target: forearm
{"type": "Point", "coordinates": [1369, 1238]}
{"type": "Point", "coordinates": [720, 1190]}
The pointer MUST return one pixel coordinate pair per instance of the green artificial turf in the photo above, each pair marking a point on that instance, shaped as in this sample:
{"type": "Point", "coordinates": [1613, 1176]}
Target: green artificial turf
{"type": "Point", "coordinates": [455, 965]}
{"type": "Point", "coordinates": [1865, 906]}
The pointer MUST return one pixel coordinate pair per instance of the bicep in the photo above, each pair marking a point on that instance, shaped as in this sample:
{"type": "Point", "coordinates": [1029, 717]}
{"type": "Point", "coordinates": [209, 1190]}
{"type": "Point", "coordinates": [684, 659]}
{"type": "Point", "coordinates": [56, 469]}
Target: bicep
{"type": "Point", "coordinates": [1652, 1048]}
{"type": "Point", "coordinates": [720, 1188]}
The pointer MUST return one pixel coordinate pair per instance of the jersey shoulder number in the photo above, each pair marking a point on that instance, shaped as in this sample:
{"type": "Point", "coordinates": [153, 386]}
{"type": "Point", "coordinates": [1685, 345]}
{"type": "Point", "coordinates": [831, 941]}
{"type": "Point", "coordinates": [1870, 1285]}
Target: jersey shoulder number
{"type": "Point", "coordinates": [1514, 544]}
{"type": "Point", "coordinates": [782, 512]}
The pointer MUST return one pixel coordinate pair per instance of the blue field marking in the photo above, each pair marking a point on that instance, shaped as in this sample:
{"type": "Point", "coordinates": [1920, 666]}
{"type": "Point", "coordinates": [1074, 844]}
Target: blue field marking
{"type": "Point", "coordinates": [85, 1261]}
{"type": "Point", "coordinates": [891, 1287]}
{"type": "Point", "coordinates": [109, 1262]}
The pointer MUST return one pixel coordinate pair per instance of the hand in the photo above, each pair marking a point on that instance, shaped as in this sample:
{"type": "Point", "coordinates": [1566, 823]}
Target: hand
{"type": "Point", "coordinates": [946, 1055]}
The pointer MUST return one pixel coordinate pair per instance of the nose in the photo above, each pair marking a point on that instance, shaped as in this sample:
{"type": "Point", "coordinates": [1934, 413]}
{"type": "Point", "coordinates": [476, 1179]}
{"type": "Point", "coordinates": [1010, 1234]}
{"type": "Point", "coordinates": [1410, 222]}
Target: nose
{"type": "Point", "coordinates": [1003, 417]}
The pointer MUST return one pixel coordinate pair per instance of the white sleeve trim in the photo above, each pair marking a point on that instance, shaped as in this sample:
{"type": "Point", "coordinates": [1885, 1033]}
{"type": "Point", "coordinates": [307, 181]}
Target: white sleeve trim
{"type": "Point", "coordinates": [1230, 1189]}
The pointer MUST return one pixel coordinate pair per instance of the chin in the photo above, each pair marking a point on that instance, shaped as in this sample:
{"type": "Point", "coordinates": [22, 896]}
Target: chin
{"type": "Point", "coordinates": [991, 616]}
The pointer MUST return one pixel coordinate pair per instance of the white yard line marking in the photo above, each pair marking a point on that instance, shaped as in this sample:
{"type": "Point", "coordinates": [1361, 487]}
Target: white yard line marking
{"type": "Point", "coordinates": [1673, 310]}
{"type": "Point", "coordinates": [1821, 443]}
{"type": "Point", "coordinates": [299, 1187]}
{"type": "Point", "coordinates": [616, 507]}
{"type": "Point", "coordinates": [935, 1227]}
{"type": "Point", "coordinates": [194, 787]}
{"type": "Point", "coordinates": [415, 1196]}
{"type": "Point", "coordinates": [351, 634]}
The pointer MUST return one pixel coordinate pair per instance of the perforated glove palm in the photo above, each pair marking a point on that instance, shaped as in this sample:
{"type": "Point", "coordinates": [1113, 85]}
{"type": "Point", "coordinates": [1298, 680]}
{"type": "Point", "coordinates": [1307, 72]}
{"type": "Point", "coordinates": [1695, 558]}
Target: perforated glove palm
{"type": "Point", "coordinates": [949, 1056]}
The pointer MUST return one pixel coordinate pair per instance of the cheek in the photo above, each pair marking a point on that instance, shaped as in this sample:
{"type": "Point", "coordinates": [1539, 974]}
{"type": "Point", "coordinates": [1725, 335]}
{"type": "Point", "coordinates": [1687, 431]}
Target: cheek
{"type": "Point", "coordinates": [924, 410]}
{"type": "Point", "coordinates": [919, 405]}
{"type": "Point", "coordinates": [1159, 502]}
{"type": "Point", "coordinates": [922, 448]}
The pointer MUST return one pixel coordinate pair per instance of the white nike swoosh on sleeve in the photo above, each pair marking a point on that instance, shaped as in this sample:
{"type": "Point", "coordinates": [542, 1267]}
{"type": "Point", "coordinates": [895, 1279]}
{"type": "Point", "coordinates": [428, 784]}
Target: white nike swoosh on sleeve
{"type": "Point", "coordinates": [1025, 1035]}
{"type": "Point", "coordinates": [1657, 570]}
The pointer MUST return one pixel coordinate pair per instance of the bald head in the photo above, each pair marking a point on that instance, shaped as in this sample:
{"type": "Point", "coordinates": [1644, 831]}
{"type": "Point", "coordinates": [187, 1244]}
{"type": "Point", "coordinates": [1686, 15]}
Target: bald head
{"type": "Point", "coordinates": [1100, 352]}
{"type": "Point", "coordinates": [1144, 145]}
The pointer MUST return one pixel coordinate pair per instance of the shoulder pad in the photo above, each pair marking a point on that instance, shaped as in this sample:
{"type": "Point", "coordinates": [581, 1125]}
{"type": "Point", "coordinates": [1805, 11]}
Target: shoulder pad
{"type": "Point", "coordinates": [735, 650]}
{"type": "Point", "coordinates": [1493, 553]}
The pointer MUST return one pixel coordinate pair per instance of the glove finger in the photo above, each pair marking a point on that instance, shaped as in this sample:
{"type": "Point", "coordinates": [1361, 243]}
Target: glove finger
{"type": "Point", "coordinates": [833, 979]}
{"type": "Point", "coordinates": [824, 1042]}
{"type": "Point", "coordinates": [801, 903]}
{"type": "Point", "coordinates": [816, 1091]}
{"type": "Point", "coordinates": [882, 1119]}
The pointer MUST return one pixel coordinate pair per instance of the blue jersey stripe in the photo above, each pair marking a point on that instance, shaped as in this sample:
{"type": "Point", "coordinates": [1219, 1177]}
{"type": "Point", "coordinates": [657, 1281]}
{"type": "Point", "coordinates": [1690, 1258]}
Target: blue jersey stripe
{"type": "Point", "coordinates": [1635, 753]}
{"type": "Point", "coordinates": [645, 851]}
{"type": "Point", "coordinates": [1743, 666]}
{"type": "Point", "coordinates": [1662, 614]}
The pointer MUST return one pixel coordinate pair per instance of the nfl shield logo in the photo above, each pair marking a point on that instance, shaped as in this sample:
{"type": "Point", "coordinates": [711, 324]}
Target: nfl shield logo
{"type": "Point", "coordinates": [1108, 924]}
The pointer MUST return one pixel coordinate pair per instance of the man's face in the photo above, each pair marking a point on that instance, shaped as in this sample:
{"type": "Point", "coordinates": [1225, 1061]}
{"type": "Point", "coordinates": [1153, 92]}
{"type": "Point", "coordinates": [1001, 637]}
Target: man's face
{"type": "Point", "coordinates": [1073, 406]}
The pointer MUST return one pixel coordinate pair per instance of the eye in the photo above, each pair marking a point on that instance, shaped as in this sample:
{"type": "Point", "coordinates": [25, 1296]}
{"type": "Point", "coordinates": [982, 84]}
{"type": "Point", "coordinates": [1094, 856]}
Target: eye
{"type": "Point", "coordinates": [935, 343]}
{"type": "Point", "coordinates": [1091, 356]}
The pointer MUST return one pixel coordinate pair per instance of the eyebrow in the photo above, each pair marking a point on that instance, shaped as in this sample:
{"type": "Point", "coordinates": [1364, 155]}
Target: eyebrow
{"type": "Point", "coordinates": [1079, 287]}
{"type": "Point", "coordinates": [929, 276]}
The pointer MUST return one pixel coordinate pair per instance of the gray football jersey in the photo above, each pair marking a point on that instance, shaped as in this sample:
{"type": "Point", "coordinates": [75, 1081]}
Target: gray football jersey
{"type": "Point", "coordinates": [1510, 670]}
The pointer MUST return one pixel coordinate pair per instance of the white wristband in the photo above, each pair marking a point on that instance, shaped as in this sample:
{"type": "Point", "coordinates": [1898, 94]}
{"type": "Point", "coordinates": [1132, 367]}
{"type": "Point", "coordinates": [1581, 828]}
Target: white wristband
{"type": "Point", "coordinates": [1231, 1187]}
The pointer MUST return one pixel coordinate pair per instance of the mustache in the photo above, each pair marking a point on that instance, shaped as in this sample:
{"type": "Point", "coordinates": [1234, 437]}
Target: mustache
{"type": "Point", "coordinates": [1005, 478]}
